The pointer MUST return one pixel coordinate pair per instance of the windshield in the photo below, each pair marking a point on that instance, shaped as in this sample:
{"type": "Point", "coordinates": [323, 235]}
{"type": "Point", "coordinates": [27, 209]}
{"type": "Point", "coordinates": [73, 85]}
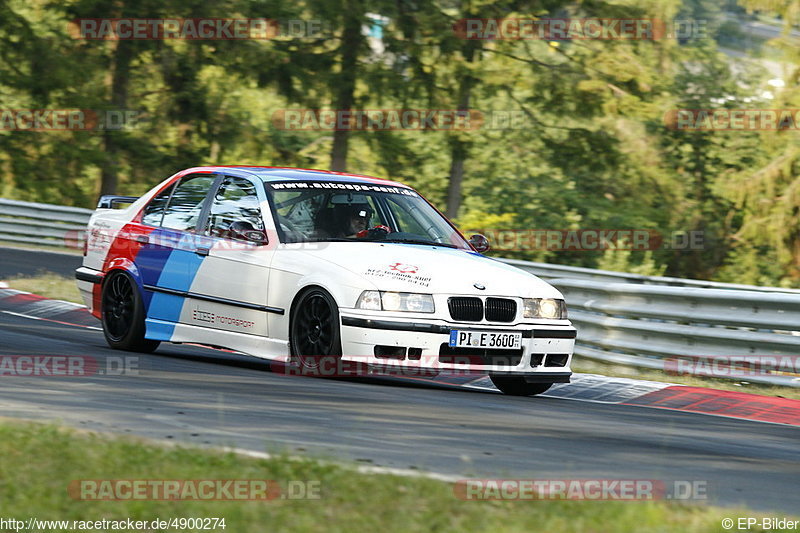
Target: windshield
{"type": "Point", "coordinates": [339, 211]}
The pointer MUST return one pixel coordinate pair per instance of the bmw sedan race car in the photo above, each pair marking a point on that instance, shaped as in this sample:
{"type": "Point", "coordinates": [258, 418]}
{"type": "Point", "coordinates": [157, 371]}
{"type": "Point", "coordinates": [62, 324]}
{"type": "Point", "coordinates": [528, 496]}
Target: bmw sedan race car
{"type": "Point", "coordinates": [322, 271]}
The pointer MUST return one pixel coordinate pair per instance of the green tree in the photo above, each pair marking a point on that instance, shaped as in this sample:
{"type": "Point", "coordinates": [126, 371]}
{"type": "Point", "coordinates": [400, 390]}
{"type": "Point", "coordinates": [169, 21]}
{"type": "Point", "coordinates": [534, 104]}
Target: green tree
{"type": "Point", "coordinates": [768, 192]}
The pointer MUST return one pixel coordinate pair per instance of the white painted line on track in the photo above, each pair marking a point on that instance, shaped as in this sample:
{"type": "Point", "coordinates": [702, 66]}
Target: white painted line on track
{"type": "Point", "coordinates": [50, 320]}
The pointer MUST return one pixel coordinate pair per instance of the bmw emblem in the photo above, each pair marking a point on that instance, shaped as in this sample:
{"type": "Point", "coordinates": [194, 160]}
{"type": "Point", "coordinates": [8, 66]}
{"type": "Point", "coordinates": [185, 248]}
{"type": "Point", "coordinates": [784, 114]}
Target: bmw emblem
{"type": "Point", "coordinates": [479, 286]}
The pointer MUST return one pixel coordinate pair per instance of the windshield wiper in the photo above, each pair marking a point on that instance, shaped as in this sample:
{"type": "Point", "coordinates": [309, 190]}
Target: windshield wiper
{"type": "Point", "coordinates": [420, 241]}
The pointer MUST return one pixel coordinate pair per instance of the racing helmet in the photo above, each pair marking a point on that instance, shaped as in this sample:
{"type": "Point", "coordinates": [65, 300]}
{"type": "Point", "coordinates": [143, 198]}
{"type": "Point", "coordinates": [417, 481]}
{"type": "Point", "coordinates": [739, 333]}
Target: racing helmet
{"type": "Point", "coordinates": [348, 213]}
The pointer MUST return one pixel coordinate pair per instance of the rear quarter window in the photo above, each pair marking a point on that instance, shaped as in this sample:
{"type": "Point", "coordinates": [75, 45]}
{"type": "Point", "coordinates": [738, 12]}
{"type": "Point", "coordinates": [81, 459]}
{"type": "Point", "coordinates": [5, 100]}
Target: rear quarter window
{"type": "Point", "coordinates": [154, 211]}
{"type": "Point", "coordinates": [187, 201]}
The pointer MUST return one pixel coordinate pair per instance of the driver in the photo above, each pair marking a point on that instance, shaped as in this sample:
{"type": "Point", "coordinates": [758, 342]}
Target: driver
{"type": "Point", "coordinates": [356, 219]}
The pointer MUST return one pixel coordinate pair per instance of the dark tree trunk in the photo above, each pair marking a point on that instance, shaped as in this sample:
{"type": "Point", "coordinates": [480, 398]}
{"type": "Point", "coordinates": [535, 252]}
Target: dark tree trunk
{"type": "Point", "coordinates": [458, 154]}
{"type": "Point", "coordinates": [120, 76]}
{"type": "Point", "coordinates": [459, 149]}
{"type": "Point", "coordinates": [352, 42]}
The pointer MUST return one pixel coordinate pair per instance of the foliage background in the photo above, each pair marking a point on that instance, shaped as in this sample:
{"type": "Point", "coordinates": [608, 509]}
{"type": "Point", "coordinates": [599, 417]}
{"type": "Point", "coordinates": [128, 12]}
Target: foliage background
{"type": "Point", "coordinates": [593, 153]}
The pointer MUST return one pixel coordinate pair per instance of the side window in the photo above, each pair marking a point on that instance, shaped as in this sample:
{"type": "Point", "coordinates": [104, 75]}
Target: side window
{"type": "Point", "coordinates": [236, 201]}
{"type": "Point", "coordinates": [187, 202]}
{"type": "Point", "coordinates": [154, 211]}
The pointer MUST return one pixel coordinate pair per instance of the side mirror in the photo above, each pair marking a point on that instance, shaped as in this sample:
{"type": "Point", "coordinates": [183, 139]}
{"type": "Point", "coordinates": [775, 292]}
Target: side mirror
{"type": "Point", "coordinates": [243, 230]}
{"type": "Point", "coordinates": [479, 242]}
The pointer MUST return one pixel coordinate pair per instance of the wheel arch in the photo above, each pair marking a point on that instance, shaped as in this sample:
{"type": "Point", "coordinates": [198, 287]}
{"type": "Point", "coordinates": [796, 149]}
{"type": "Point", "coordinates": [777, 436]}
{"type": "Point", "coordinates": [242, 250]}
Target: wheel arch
{"type": "Point", "coordinates": [133, 336]}
{"type": "Point", "coordinates": [296, 299]}
{"type": "Point", "coordinates": [124, 266]}
{"type": "Point", "coordinates": [299, 294]}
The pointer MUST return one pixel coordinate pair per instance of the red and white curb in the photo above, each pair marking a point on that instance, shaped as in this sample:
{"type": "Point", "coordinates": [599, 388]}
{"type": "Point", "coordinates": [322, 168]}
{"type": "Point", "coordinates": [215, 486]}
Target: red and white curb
{"type": "Point", "coordinates": [37, 307]}
{"type": "Point", "coordinates": [671, 396]}
{"type": "Point", "coordinates": [584, 387]}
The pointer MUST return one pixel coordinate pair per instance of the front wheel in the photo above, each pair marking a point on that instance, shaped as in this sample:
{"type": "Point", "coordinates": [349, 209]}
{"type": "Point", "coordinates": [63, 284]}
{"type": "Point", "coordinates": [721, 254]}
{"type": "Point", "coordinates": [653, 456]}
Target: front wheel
{"type": "Point", "coordinates": [517, 386]}
{"type": "Point", "coordinates": [314, 337]}
{"type": "Point", "coordinates": [123, 315]}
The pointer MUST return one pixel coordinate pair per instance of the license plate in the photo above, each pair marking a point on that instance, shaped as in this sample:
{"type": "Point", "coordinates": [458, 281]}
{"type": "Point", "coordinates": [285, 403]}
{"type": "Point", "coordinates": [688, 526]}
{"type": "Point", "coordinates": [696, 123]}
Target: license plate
{"type": "Point", "coordinates": [497, 340]}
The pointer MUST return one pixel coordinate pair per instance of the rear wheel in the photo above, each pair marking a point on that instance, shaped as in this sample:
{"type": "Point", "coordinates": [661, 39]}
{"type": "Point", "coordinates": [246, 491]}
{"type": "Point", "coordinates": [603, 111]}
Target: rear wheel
{"type": "Point", "coordinates": [315, 338]}
{"type": "Point", "coordinates": [517, 386]}
{"type": "Point", "coordinates": [123, 315]}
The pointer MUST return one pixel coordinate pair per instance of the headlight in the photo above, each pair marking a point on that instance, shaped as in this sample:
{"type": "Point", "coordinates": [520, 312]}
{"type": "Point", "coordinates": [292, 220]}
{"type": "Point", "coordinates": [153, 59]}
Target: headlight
{"type": "Point", "coordinates": [369, 300]}
{"type": "Point", "coordinates": [396, 301]}
{"type": "Point", "coordinates": [544, 308]}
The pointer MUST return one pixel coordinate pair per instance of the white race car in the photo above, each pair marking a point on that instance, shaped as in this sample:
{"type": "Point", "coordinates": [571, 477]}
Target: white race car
{"type": "Point", "coordinates": [318, 270]}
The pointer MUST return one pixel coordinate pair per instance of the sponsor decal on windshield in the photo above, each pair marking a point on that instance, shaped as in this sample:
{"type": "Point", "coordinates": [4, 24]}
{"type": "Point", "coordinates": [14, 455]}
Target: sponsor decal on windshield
{"type": "Point", "coordinates": [305, 185]}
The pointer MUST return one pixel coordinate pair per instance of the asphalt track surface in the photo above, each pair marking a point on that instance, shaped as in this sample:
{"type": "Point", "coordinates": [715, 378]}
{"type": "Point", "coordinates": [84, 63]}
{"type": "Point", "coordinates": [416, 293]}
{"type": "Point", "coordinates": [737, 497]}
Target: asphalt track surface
{"type": "Point", "coordinates": [205, 397]}
{"type": "Point", "coordinates": [18, 262]}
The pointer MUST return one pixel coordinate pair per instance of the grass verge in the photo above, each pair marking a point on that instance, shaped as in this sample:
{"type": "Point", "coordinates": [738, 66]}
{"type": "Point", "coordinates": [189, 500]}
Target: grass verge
{"type": "Point", "coordinates": [39, 461]}
{"type": "Point", "coordinates": [49, 285]}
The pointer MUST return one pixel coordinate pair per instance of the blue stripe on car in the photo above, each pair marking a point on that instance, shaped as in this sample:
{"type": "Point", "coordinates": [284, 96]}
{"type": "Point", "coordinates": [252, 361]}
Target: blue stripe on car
{"type": "Point", "coordinates": [178, 271]}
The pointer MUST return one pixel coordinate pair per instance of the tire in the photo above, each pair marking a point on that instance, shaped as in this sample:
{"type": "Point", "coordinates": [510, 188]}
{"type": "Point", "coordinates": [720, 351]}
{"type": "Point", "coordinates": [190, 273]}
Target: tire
{"type": "Point", "coordinates": [123, 315]}
{"type": "Point", "coordinates": [314, 337]}
{"type": "Point", "coordinates": [517, 386]}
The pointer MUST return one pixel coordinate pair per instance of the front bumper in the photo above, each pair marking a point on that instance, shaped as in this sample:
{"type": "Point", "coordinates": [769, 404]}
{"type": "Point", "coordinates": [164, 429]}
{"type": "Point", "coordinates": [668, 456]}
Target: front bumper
{"type": "Point", "coordinates": [544, 357]}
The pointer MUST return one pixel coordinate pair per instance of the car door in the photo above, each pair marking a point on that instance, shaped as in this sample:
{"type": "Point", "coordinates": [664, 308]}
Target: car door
{"type": "Point", "coordinates": [229, 290]}
{"type": "Point", "coordinates": [167, 261]}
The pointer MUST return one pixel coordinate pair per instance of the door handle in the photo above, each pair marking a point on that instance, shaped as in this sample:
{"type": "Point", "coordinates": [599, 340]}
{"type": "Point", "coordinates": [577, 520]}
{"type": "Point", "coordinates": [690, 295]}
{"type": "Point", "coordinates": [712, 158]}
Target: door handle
{"type": "Point", "coordinates": [201, 251]}
{"type": "Point", "coordinates": [144, 239]}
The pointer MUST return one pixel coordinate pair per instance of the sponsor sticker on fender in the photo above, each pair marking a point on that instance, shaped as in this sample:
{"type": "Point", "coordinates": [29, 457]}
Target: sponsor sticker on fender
{"type": "Point", "coordinates": [399, 271]}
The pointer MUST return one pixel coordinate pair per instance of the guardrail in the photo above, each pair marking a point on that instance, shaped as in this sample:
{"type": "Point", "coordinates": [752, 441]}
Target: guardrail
{"type": "Point", "coordinates": [551, 271]}
{"type": "Point", "coordinates": [42, 224]}
{"type": "Point", "coordinates": [735, 334]}
{"type": "Point", "coordinates": [650, 322]}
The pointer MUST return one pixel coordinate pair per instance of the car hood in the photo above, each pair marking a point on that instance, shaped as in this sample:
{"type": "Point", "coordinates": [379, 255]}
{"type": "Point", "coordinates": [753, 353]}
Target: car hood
{"type": "Point", "coordinates": [420, 268]}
